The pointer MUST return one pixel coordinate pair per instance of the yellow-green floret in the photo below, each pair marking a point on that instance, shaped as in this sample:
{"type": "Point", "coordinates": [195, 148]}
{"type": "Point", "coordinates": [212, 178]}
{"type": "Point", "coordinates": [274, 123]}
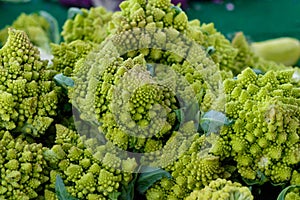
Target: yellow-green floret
{"type": "Point", "coordinates": [34, 25]}
{"type": "Point", "coordinates": [293, 194]}
{"type": "Point", "coordinates": [222, 189]}
{"type": "Point", "coordinates": [190, 166]}
{"type": "Point", "coordinates": [23, 168]}
{"type": "Point", "coordinates": [293, 190]}
{"type": "Point", "coordinates": [89, 170]}
{"type": "Point", "coordinates": [89, 25]}
{"type": "Point", "coordinates": [264, 138]}
{"type": "Point", "coordinates": [162, 15]}
{"type": "Point", "coordinates": [65, 55]}
{"type": "Point", "coordinates": [29, 96]}
{"type": "Point", "coordinates": [129, 95]}
{"type": "Point", "coordinates": [247, 58]}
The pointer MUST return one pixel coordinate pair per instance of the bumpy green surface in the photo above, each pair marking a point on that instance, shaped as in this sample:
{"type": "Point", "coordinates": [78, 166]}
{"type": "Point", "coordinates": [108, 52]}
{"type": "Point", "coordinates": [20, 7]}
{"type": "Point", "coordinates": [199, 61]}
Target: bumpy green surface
{"type": "Point", "coordinates": [29, 96]}
{"type": "Point", "coordinates": [65, 55]}
{"type": "Point", "coordinates": [34, 25]}
{"type": "Point", "coordinates": [292, 195]}
{"type": "Point", "coordinates": [223, 190]}
{"type": "Point", "coordinates": [246, 58]}
{"type": "Point", "coordinates": [163, 15]}
{"type": "Point", "coordinates": [23, 168]}
{"type": "Point", "coordinates": [89, 25]}
{"type": "Point", "coordinates": [190, 166]}
{"type": "Point", "coordinates": [264, 139]}
{"type": "Point", "coordinates": [145, 88]}
{"type": "Point", "coordinates": [295, 192]}
{"type": "Point", "coordinates": [88, 171]}
{"type": "Point", "coordinates": [122, 83]}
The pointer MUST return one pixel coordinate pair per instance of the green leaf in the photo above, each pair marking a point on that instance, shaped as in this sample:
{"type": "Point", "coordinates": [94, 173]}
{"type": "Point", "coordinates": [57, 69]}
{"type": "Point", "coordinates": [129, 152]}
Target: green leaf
{"type": "Point", "coordinates": [114, 195]}
{"type": "Point", "coordinates": [213, 120]}
{"type": "Point", "coordinates": [151, 69]}
{"type": "Point", "coordinates": [258, 71]}
{"type": "Point", "coordinates": [188, 112]}
{"type": "Point", "coordinates": [282, 194]}
{"type": "Point", "coordinates": [176, 9]}
{"type": "Point", "coordinates": [73, 11]}
{"type": "Point", "coordinates": [179, 116]}
{"type": "Point", "coordinates": [278, 184]}
{"type": "Point", "coordinates": [63, 80]}
{"type": "Point", "coordinates": [148, 177]}
{"type": "Point", "coordinates": [260, 180]}
{"type": "Point", "coordinates": [61, 191]}
{"type": "Point", "coordinates": [127, 191]}
{"type": "Point", "coordinates": [210, 50]}
{"type": "Point", "coordinates": [54, 28]}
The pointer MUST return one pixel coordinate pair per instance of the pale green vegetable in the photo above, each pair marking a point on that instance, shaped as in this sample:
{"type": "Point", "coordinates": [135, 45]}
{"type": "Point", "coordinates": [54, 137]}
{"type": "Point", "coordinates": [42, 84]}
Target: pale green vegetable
{"type": "Point", "coordinates": [285, 50]}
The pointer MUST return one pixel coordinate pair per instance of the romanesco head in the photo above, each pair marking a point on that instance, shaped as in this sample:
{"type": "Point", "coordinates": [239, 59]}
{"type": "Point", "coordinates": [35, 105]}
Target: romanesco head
{"type": "Point", "coordinates": [218, 47]}
{"type": "Point", "coordinates": [29, 95]}
{"type": "Point", "coordinates": [190, 166]}
{"type": "Point", "coordinates": [34, 25]}
{"type": "Point", "coordinates": [86, 172]}
{"type": "Point", "coordinates": [23, 168]}
{"type": "Point", "coordinates": [65, 55]}
{"type": "Point", "coordinates": [292, 194]}
{"type": "Point", "coordinates": [264, 138]}
{"type": "Point", "coordinates": [295, 180]}
{"type": "Point", "coordinates": [247, 58]}
{"type": "Point", "coordinates": [143, 13]}
{"type": "Point", "coordinates": [127, 92]}
{"type": "Point", "coordinates": [89, 25]}
{"type": "Point", "coordinates": [144, 109]}
{"type": "Point", "coordinates": [222, 189]}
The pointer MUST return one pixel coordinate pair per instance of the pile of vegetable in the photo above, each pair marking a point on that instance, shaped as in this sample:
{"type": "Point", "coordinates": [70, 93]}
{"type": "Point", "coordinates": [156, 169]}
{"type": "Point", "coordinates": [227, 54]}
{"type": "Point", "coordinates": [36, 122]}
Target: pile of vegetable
{"type": "Point", "coordinates": [143, 103]}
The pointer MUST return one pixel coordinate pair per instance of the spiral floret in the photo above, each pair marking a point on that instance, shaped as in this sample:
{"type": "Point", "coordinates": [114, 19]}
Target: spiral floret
{"type": "Point", "coordinates": [86, 172]}
{"type": "Point", "coordinates": [264, 138]}
{"type": "Point", "coordinates": [222, 189]}
{"type": "Point", "coordinates": [29, 96]}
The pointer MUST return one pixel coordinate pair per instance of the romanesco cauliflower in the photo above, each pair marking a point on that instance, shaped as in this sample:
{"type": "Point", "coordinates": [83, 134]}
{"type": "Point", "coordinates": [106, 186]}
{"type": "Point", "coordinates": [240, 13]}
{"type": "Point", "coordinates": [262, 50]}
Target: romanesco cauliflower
{"type": "Point", "coordinates": [29, 96]}
{"type": "Point", "coordinates": [221, 189]}
{"type": "Point", "coordinates": [264, 138]}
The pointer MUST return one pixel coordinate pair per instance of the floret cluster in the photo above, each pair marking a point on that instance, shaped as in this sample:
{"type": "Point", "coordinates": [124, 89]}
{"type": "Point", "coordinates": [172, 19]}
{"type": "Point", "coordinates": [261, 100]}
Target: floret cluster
{"type": "Point", "coordinates": [143, 103]}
